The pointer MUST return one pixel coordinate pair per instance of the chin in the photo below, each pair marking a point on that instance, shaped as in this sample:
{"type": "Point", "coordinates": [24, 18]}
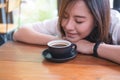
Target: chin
{"type": "Point", "coordinates": [73, 39]}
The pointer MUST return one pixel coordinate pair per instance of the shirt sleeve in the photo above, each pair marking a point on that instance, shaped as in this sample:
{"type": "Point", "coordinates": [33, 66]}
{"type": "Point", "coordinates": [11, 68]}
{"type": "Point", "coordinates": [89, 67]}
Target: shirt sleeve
{"type": "Point", "coordinates": [49, 27]}
{"type": "Point", "coordinates": [115, 27]}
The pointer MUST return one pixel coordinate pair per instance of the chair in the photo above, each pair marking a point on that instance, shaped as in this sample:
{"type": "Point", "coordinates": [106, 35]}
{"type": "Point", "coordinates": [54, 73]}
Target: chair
{"type": "Point", "coordinates": [116, 5]}
{"type": "Point", "coordinates": [2, 41]}
{"type": "Point", "coordinates": [6, 22]}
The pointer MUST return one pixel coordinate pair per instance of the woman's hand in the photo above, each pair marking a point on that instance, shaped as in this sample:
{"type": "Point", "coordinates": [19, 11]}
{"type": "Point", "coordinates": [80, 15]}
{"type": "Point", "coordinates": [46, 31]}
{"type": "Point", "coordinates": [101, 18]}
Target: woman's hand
{"type": "Point", "coordinates": [85, 47]}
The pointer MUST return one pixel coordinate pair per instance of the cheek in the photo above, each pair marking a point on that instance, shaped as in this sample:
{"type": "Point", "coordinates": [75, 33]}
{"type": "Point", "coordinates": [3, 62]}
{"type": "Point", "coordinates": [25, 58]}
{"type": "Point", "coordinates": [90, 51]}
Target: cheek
{"type": "Point", "coordinates": [85, 29]}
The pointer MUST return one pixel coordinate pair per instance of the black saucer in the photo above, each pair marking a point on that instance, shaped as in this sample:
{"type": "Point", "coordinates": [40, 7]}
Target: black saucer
{"type": "Point", "coordinates": [47, 55]}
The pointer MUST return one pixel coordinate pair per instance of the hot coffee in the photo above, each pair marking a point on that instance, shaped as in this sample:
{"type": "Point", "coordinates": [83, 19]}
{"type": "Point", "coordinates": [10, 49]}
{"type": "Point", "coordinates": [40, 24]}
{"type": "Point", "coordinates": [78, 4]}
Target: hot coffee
{"type": "Point", "coordinates": [61, 48]}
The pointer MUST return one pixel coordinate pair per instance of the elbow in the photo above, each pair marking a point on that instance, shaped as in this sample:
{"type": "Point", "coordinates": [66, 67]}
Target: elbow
{"type": "Point", "coordinates": [19, 34]}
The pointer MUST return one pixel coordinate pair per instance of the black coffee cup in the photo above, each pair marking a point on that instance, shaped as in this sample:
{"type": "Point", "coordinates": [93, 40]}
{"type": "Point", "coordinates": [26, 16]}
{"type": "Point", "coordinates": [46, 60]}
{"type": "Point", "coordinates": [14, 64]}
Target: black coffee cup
{"type": "Point", "coordinates": [61, 48]}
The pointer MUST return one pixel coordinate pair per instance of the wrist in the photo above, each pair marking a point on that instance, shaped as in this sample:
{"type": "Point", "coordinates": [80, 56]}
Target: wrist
{"type": "Point", "coordinates": [95, 48]}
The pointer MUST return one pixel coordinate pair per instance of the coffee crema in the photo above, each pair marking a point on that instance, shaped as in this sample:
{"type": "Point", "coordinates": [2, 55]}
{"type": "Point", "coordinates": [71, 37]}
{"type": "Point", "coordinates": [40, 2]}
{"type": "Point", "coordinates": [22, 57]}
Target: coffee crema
{"type": "Point", "coordinates": [59, 45]}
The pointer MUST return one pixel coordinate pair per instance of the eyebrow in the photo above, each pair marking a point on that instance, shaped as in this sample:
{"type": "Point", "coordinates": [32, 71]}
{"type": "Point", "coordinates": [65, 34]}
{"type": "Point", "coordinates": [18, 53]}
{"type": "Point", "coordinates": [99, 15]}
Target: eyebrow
{"type": "Point", "coordinates": [78, 16]}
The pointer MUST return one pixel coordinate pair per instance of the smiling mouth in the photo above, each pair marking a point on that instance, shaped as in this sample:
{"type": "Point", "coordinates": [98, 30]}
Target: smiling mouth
{"type": "Point", "coordinates": [71, 35]}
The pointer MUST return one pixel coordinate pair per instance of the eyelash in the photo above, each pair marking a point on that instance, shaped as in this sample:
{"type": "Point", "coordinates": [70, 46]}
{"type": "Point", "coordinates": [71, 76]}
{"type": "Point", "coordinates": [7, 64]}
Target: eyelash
{"type": "Point", "coordinates": [79, 22]}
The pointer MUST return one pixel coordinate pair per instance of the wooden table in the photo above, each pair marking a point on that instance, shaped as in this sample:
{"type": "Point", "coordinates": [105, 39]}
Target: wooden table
{"type": "Point", "coordinates": [19, 61]}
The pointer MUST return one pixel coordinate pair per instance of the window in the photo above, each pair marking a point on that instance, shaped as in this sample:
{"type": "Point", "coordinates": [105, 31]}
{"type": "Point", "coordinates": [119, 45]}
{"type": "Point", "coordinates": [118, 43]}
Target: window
{"type": "Point", "coordinates": [35, 10]}
{"type": "Point", "coordinates": [111, 3]}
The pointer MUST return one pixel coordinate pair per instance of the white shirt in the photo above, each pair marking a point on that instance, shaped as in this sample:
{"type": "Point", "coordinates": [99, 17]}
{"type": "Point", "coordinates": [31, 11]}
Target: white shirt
{"type": "Point", "coordinates": [115, 26]}
{"type": "Point", "coordinates": [50, 27]}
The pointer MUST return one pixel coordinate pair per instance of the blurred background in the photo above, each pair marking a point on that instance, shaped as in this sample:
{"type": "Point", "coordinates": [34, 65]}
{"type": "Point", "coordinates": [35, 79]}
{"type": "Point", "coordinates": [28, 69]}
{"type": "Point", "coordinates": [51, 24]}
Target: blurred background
{"type": "Point", "coordinates": [28, 11]}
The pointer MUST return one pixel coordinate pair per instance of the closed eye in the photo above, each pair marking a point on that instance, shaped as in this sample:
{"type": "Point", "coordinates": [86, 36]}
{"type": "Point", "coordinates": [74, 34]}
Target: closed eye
{"type": "Point", "coordinates": [79, 22]}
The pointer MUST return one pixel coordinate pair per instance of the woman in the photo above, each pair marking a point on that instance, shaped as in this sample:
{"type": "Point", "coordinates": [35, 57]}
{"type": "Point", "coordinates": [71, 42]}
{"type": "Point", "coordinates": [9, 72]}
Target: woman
{"type": "Point", "coordinates": [87, 23]}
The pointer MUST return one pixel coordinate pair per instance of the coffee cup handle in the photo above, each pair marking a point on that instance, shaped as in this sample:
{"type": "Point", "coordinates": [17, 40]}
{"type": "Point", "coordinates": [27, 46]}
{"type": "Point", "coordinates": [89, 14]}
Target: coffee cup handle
{"type": "Point", "coordinates": [74, 47]}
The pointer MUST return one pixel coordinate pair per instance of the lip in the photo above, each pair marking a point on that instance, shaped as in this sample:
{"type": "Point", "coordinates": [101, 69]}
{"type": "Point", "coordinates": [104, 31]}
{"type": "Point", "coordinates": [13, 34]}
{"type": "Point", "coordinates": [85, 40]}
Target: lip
{"type": "Point", "coordinates": [71, 34]}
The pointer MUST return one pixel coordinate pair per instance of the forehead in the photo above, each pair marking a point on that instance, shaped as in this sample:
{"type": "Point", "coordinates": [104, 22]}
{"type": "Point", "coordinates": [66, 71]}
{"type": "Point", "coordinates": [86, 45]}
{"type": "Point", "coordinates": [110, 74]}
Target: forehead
{"type": "Point", "coordinates": [77, 6]}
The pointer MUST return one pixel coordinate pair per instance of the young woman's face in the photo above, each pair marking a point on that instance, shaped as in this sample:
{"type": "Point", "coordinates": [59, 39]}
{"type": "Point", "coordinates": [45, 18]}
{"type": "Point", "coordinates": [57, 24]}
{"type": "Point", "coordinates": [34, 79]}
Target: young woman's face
{"type": "Point", "coordinates": [77, 22]}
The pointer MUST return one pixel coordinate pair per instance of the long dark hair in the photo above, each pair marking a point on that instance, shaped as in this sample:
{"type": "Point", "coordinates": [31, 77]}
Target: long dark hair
{"type": "Point", "coordinates": [100, 9]}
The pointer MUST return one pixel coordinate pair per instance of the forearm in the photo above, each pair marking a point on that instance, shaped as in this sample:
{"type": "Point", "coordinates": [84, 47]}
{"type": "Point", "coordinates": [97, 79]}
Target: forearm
{"type": "Point", "coordinates": [32, 37]}
{"type": "Point", "coordinates": [111, 52]}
